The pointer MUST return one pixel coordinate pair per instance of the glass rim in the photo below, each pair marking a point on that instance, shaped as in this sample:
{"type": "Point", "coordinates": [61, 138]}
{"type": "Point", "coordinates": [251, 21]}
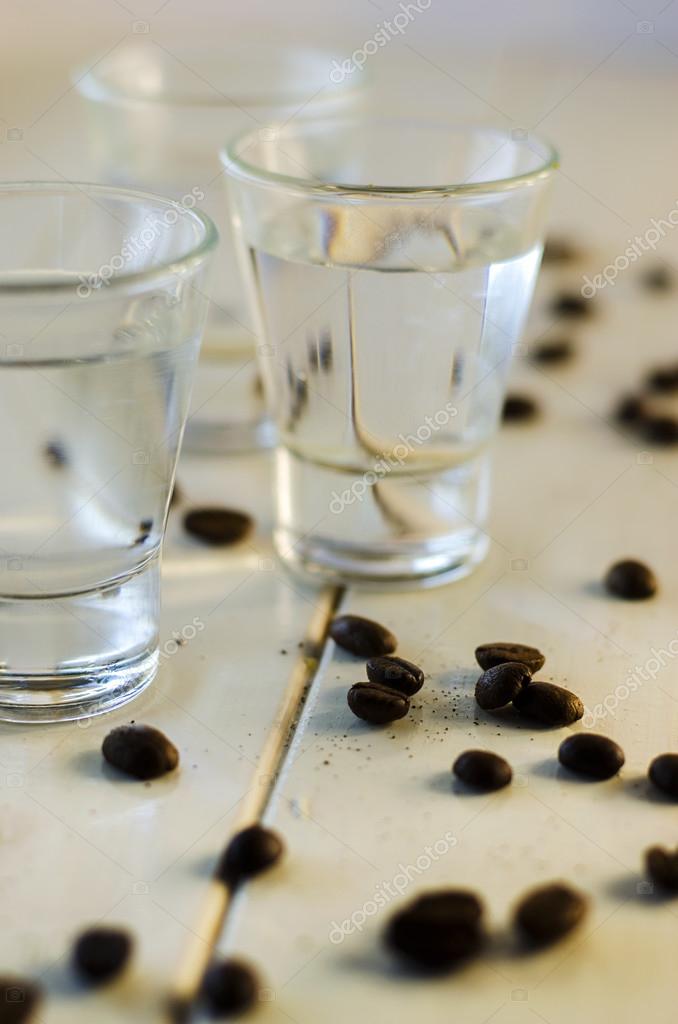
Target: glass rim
{"type": "Point", "coordinates": [180, 265]}
{"type": "Point", "coordinates": [239, 168]}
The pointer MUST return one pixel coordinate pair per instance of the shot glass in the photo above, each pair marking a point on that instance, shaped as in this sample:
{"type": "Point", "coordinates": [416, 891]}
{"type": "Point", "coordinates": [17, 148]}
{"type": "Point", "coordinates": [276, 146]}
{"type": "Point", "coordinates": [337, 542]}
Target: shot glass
{"type": "Point", "coordinates": [101, 311]}
{"type": "Point", "coordinates": [392, 264]}
{"type": "Point", "coordinates": [158, 119]}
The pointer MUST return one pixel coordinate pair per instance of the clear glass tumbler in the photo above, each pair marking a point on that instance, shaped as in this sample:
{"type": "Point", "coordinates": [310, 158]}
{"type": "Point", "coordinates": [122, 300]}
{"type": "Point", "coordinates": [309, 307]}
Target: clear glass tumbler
{"type": "Point", "coordinates": [101, 312]}
{"type": "Point", "coordinates": [158, 117]}
{"type": "Point", "coordinates": [392, 265]}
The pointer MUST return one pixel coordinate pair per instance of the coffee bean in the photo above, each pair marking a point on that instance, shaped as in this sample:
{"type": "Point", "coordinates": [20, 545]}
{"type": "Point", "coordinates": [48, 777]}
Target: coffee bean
{"type": "Point", "coordinates": [489, 655]}
{"type": "Point", "coordinates": [662, 867]}
{"type": "Point", "coordinates": [397, 673]}
{"type": "Point", "coordinates": [658, 279]}
{"type": "Point", "coordinates": [101, 953]}
{"type": "Point", "coordinates": [230, 987]}
{"type": "Point", "coordinates": [552, 353]}
{"type": "Point", "coordinates": [519, 408]}
{"type": "Point", "coordinates": [571, 306]}
{"type": "Point", "coordinates": [631, 580]}
{"type": "Point", "coordinates": [218, 526]}
{"type": "Point", "coordinates": [663, 772]}
{"type": "Point", "coordinates": [481, 769]}
{"type": "Point", "coordinates": [661, 430]}
{"type": "Point", "coordinates": [549, 704]}
{"type": "Point", "coordinates": [498, 685]}
{"type": "Point", "coordinates": [587, 753]}
{"type": "Point", "coordinates": [630, 410]}
{"type": "Point", "coordinates": [140, 750]}
{"type": "Point", "coordinates": [438, 930]}
{"type": "Point", "coordinates": [362, 637]}
{"type": "Point", "coordinates": [663, 379]}
{"type": "Point", "coordinates": [250, 852]}
{"type": "Point", "coordinates": [19, 999]}
{"type": "Point", "coordinates": [559, 250]}
{"type": "Point", "coordinates": [55, 453]}
{"type": "Point", "coordinates": [376, 703]}
{"type": "Point", "coordinates": [548, 913]}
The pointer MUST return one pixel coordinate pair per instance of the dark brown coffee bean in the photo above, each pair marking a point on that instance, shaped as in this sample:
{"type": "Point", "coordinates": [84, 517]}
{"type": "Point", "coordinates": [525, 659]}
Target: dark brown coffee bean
{"type": "Point", "coordinates": [363, 637]}
{"type": "Point", "coordinates": [552, 353]}
{"type": "Point", "coordinates": [658, 279]}
{"type": "Point", "coordinates": [438, 930]}
{"type": "Point", "coordinates": [397, 673]}
{"type": "Point", "coordinates": [587, 753]}
{"type": "Point", "coordinates": [630, 410]}
{"type": "Point", "coordinates": [661, 430]}
{"type": "Point", "coordinates": [140, 750]}
{"type": "Point", "coordinates": [250, 852]}
{"type": "Point", "coordinates": [218, 526]}
{"type": "Point", "coordinates": [519, 408]}
{"type": "Point", "coordinates": [481, 769]}
{"type": "Point", "coordinates": [663, 772]}
{"type": "Point", "coordinates": [548, 913]}
{"type": "Point", "coordinates": [631, 580]}
{"type": "Point", "coordinates": [489, 655]}
{"type": "Point", "coordinates": [662, 867]}
{"type": "Point", "coordinates": [376, 703]}
{"type": "Point", "coordinates": [663, 379]}
{"type": "Point", "coordinates": [559, 250]}
{"type": "Point", "coordinates": [101, 953]}
{"type": "Point", "coordinates": [549, 704]}
{"type": "Point", "coordinates": [55, 453]}
{"type": "Point", "coordinates": [19, 1000]}
{"type": "Point", "coordinates": [571, 306]}
{"type": "Point", "coordinates": [498, 685]}
{"type": "Point", "coordinates": [230, 987]}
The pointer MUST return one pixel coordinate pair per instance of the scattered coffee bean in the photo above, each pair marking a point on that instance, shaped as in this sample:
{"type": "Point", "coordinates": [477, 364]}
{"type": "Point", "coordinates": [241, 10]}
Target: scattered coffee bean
{"type": "Point", "coordinates": [55, 453]}
{"type": "Point", "coordinates": [519, 408]}
{"type": "Point", "coordinates": [218, 526]}
{"type": "Point", "coordinates": [663, 379]}
{"type": "Point", "coordinates": [571, 306]}
{"type": "Point", "coordinates": [548, 913]}
{"type": "Point", "coordinates": [481, 769]}
{"type": "Point", "coordinates": [662, 867]}
{"type": "Point", "coordinates": [663, 772]}
{"type": "Point", "coordinates": [230, 987]}
{"type": "Point", "coordinates": [376, 703]}
{"type": "Point", "coordinates": [363, 637]}
{"type": "Point", "coordinates": [489, 655]}
{"type": "Point", "coordinates": [101, 953]}
{"type": "Point", "coordinates": [250, 852]}
{"type": "Point", "coordinates": [631, 580]}
{"type": "Point", "coordinates": [397, 673]}
{"type": "Point", "coordinates": [559, 250]}
{"type": "Point", "coordinates": [658, 279]}
{"type": "Point", "coordinates": [498, 685]}
{"type": "Point", "coordinates": [140, 750]}
{"type": "Point", "coordinates": [549, 704]}
{"type": "Point", "coordinates": [630, 410]}
{"type": "Point", "coordinates": [662, 430]}
{"type": "Point", "coordinates": [552, 353]}
{"type": "Point", "coordinates": [19, 999]}
{"type": "Point", "coordinates": [587, 753]}
{"type": "Point", "coordinates": [438, 930]}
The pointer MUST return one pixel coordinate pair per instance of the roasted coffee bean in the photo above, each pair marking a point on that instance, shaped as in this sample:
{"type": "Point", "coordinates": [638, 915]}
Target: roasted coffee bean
{"type": "Point", "coordinates": [438, 930]}
{"type": "Point", "coordinates": [218, 526]}
{"type": "Point", "coordinates": [663, 379]}
{"type": "Point", "coordinates": [663, 772]}
{"type": "Point", "coordinates": [250, 852]}
{"type": "Point", "coordinates": [661, 430]}
{"type": "Point", "coordinates": [552, 353]}
{"type": "Point", "coordinates": [230, 987]}
{"type": "Point", "coordinates": [376, 703]}
{"type": "Point", "coordinates": [363, 637]}
{"type": "Point", "coordinates": [559, 250]}
{"type": "Point", "coordinates": [100, 954]}
{"type": "Point", "coordinates": [397, 673]}
{"type": "Point", "coordinates": [548, 913]}
{"type": "Point", "coordinates": [630, 410]}
{"type": "Point", "coordinates": [549, 704]}
{"type": "Point", "coordinates": [481, 769]}
{"type": "Point", "coordinates": [140, 750]}
{"type": "Point", "coordinates": [658, 279]}
{"type": "Point", "coordinates": [55, 453]}
{"type": "Point", "coordinates": [519, 408]}
{"type": "Point", "coordinates": [631, 580]}
{"type": "Point", "coordinates": [587, 753]}
{"type": "Point", "coordinates": [19, 999]}
{"type": "Point", "coordinates": [498, 685]}
{"type": "Point", "coordinates": [662, 867]}
{"type": "Point", "coordinates": [489, 655]}
{"type": "Point", "coordinates": [571, 306]}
